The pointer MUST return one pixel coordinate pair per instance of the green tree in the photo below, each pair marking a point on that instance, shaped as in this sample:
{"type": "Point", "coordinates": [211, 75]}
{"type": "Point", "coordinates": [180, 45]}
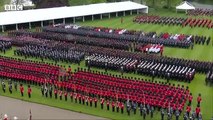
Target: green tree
{"type": "Point", "coordinates": [153, 3]}
{"type": "Point", "coordinates": [97, 1]}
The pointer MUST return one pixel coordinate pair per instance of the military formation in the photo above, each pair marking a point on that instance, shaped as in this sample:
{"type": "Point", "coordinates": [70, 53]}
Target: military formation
{"type": "Point", "coordinates": [137, 37]}
{"type": "Point", "coordinates": [112, 41]}
{"type": "Point", "coordinates": [43, 52]}
{"type": "Point", "coordinates": [159, 20]}
{"type": "Point", "coordinates": [200, 12]}
{"type": "Point", "coordinates": [85, 40]}
{"type": "Point", "coordinates": [27, 71]}
{"type": "Point", "coordinates": [116, 93]}
{"type": "Point", "coordinates": [166, 71]}
{"type": "Point", "coordinates": [209, 78]}
{"type": "Point", "coordinates": [4, 45]}
{"type": "Point", "coordinates": [91, 89]}
{"type": "Point", "coordinates": [192, 22]}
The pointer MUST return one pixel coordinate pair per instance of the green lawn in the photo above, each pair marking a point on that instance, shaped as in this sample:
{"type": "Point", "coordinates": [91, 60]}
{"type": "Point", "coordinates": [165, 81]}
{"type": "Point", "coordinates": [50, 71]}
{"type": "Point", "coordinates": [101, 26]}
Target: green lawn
{"type": "Point", "coordinates": [196, 86]}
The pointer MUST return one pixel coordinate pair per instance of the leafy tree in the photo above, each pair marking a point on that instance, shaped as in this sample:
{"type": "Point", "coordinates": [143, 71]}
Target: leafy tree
{"type": "Point", "coordinates": [153, 3]}
{"type": "Point", "coordinates": [97, 1]}
{"type": "Point", "coordinates": [169, 3]}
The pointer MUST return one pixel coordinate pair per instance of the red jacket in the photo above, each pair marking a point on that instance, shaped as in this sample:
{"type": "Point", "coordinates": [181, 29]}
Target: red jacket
{"type": "Point", "coordinates": [29, 90]}
{"type": "Point", "coordinates": [198, 110]}
{"type": "Point", "coordinates": [188, 108]}
{"type": "Point", "coordinates": [199, 99]}
{"type": "Point", "coordinates": [21, 89]}
{"type": "Point", "coordinates": [190, 98]}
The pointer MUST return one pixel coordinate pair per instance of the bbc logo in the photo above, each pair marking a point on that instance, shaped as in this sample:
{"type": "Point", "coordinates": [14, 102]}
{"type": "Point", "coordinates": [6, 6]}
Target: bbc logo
{"type": "Point", "coordinates": [13, 7]}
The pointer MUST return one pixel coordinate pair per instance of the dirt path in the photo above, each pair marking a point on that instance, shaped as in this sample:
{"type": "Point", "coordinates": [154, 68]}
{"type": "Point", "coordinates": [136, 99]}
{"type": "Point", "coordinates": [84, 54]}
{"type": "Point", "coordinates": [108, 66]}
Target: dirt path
{"type": "Point", "coordinates": [12, 108]}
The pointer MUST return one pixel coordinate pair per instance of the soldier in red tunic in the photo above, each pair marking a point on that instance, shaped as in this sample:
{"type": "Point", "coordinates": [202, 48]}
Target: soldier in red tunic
{"type": "Point", "coordinates": [79, 98]}
{"type": "Point", "coordinates": [108, 104]}
{"type": "Point", "coordinates": [95, 100]}
{"type": "Point", "coordinates": [197, 110]}
{"type": "Point", "coordinates": [113, 106]}
{"type": "Point", "coordinates": [90, 101]}
{"type": "Point", "coordinates": [190, 98]}
{"type": "Point", "coordinates": [87, 100]}
{"type": "Point", "coordinates": [102, 103]}
{"type": "Point", "coordinates": [56, 93]}
{"type": "Point", "coordinates": [122, 107]}
{"type": "Point", "coordinates": [71, 96]}
{"type": "Point", "coordinates": [188, 109]}
{"type": "Point", "coordinates": [117, 106]}
{"type": "Point", "coordinates": [75, 97]}
{"type": "Point", "coordinates": [60, 94]}
{"type": "Point", "coordinates": [22, 90]}
{"type": "Point", "coordinates": [83, 99]}
{"type": "Point", "coordinates": [199, 99]}
{"type": "Point", "coordinates": [65, 95]}
{"type": "Point", "coordinates": [29, 91]}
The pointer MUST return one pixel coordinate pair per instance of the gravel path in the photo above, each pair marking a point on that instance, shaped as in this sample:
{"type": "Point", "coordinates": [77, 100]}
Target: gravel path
{"type": "Point", "coordinates": [13, 107]}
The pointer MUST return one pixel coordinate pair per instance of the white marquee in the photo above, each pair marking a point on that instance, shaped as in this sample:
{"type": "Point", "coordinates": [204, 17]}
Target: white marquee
{"type": "Point", "coordinates": [36, 15]}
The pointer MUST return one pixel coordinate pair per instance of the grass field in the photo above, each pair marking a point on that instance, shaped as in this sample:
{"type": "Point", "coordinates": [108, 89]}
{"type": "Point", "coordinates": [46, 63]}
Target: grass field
{"type": "Point", "coordinates": [196, 86]}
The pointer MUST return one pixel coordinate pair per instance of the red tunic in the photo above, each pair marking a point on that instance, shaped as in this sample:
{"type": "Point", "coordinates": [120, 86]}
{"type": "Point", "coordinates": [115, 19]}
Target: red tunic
{"type": "Point", "coordinates": [188, 108]}
{"type": "Point", "coordinates": [190, 98]}
{"type": "Point", "coordinates": [65, 93]}
{"type": "Point", "coordinates": [55, 91]}
{"type": "Point", "coordinates": [21, 89]}
{"type": "Point", "coordinates": [113, 104]}
{"type": "Point", "coordinates": [199, 99]}
{"type": "Point", "coordinates": [29, 90]}
{"type": "Point", "coordinates": [198, 110]}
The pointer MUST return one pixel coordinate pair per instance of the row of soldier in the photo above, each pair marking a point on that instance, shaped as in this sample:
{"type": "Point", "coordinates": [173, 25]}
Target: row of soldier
{"type": "Point", "coordinates": [209, 78]}
{"type": "Point", "coordinates": [166, 71]}
{"type": "Point", "coordinates": [158, 20]}
{"type": "Point", "coordinates": [121, 37]}
{"type": "Point", "coordinates": [200, 12]}
{"type": "Point", "coordinates": [10, 87]}
{"type": "Point", "coordinates": [199, 66]}
{"type": "Point", "coordinates": [45, 52]}
{"type": "Point", "coordinates": [144, 67]}
{"type": "Point", "coordinates": [4, 45]}
{"type": "Point", "coordinates": [27, 70]}
{"type": "Point", "coordinates": [193, 22]}
{"type": "Point", "coordinates": [86, 40]}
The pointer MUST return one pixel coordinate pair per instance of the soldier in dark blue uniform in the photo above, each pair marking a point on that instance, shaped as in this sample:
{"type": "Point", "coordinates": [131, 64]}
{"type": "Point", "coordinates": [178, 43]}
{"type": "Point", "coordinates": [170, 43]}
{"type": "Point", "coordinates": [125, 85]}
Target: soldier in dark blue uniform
{"type": "Point", "coordinates": [3, 86]}
{"type": "Point", "coordinates": [177, 114]}
{"type": "Point", "coordinates": [162, 114]}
